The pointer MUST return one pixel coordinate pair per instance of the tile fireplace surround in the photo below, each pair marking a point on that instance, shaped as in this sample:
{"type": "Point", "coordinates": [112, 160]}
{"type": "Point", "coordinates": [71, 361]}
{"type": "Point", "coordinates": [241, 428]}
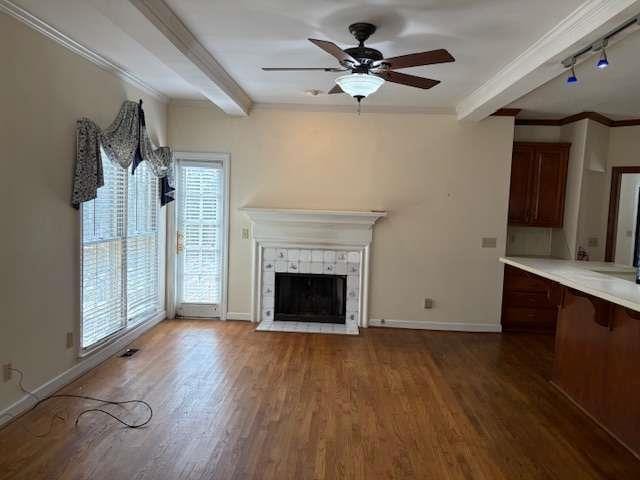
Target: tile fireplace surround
{"type": "Point", "coordinates": [316, 242]}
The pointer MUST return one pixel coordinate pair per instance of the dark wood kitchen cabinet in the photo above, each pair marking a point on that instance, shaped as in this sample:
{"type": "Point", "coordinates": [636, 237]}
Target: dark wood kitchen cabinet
{"type": "Point", "coordinates": [538, 184]}
{"type": "Point", "coordinates": [529, 302]}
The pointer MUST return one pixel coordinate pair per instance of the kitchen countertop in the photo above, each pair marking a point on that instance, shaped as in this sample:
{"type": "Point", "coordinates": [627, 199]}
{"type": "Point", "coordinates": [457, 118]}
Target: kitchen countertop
{"type": "Point", "coordinates": [581, 276]}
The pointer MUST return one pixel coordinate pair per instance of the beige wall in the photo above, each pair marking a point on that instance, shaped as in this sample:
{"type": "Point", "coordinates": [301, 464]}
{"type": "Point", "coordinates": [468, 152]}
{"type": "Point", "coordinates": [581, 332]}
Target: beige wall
{"type": "Point", "coordinates": [594, 198]}
{"type": "Point", "coordinates": [627, 218]}
{"type": "Point", "coordinates": [45, 88]}
{"type": "Point", "coordinates": [444, 183]}
{"type": "Point", "coordinates": [566, 239]}
{"type": "Point", "coordinates": [624, 151]}
{"type": "Point", "coordinates": [624, 147]}
{"type": "Point", "coordinates": [537, 133]}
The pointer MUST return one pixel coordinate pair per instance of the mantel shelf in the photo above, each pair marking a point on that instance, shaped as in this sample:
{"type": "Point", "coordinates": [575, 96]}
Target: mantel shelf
{"type": "Point", "coordinates": [257, 214]}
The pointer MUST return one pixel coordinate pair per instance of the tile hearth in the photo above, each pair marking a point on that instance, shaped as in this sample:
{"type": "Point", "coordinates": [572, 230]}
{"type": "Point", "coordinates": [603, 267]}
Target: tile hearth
{"type": "Point", "coordinates": [349, 328]}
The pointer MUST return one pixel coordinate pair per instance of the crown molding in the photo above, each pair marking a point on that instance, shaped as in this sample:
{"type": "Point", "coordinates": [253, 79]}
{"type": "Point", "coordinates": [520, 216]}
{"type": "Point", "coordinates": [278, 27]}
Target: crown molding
{"type": "Point", "coordinates": [60, 38]}
{"type": "Point", "coordinates": [595, 116]}
{"type": "Point", "coordinates": [506, 112]}
{"type": "Point", "coordinates": [542, 61]}
{"type": "Point", "coordinates": [192, 102]}
{"type": "Point", "coordinates": [211, 79]}
{"type": "Point", "coordinates": [634, 122]}
{"type": "Point", "coordinates": [306, 107]}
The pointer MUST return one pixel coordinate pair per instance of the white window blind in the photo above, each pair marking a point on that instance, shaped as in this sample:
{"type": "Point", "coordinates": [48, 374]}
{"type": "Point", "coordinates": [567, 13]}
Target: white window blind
{"type": "Point", "coordinates": [142, 245]}
{"type": "Point", "coordinates": [200, 212]}
{"type": "Point", "coordinates": [120, 258]}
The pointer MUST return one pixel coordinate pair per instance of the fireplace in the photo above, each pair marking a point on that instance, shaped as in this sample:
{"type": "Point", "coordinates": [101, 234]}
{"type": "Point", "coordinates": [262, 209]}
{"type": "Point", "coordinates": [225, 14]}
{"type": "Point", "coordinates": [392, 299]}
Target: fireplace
{"type": "Point", "coordinates": [310, 269]}
{"type": "Point", "coordinates": [303, 297]}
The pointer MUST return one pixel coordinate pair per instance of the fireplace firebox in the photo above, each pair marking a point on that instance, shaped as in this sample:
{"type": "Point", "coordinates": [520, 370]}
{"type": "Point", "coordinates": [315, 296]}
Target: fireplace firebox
{"type": "Point", "coordinates": [303, 297]}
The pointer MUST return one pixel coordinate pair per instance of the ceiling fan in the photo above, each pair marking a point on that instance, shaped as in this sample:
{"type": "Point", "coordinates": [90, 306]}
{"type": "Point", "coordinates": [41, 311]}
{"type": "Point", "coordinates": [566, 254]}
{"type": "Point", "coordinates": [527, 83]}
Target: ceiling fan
{"type": "Point", "coordinates": [369, 69]}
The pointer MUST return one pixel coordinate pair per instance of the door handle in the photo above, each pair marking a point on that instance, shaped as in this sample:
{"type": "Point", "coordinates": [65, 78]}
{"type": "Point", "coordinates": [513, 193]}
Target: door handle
{"type": "Point", "coordinates": [179, 244]}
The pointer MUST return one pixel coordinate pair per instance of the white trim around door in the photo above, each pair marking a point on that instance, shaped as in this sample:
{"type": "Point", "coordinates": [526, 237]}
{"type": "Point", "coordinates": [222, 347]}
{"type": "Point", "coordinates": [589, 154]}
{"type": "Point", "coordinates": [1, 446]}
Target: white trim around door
{"type": "Point", "coordinates": [202, 157]}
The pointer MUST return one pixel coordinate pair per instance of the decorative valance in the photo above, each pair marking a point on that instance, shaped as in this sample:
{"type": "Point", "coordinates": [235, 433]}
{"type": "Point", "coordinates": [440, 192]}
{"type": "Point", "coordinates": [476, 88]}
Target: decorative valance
{"type": "Point", "coordinates": [125, 142]}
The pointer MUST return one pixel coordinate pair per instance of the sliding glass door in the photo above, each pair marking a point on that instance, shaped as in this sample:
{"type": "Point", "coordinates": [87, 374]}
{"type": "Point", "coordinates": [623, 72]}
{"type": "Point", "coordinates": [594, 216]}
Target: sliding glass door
{"type": "Point", "coordinates": [200, 238]}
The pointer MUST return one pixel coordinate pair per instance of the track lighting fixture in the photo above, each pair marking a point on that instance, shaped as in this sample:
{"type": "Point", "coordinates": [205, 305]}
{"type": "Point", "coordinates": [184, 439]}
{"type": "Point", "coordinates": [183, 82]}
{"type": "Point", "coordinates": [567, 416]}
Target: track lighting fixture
{"type": "Point", "coordinates": [598, 46]}
{"type": "Point", "coordinates": [604, 61]}
{"type": "Point", "coordinates": [572, 78]}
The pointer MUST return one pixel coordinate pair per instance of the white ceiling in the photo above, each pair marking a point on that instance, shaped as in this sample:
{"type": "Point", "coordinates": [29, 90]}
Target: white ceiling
{"type": "Point", "coordinates": [483, 35]}
{"type": "Point", "coordinates": [614, 92]}
{"type": "Point", "coordinates": [245, 35]}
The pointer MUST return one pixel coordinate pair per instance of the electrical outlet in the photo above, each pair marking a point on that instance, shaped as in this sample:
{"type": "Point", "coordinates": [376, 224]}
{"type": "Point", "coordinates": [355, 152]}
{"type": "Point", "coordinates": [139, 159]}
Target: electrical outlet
{"type": "Point", "coordinates": [592, 242]}
{"type": "Point", "coordinates": [245, 234]}
{"type": "Point", "coordinates": [428, 303]}
{"type": "Point", "coordinates": [69, 340]}
{"type": "Point", "coordinates": [6, 372]}
{"type": "Point", "coordinates": [489, 242]}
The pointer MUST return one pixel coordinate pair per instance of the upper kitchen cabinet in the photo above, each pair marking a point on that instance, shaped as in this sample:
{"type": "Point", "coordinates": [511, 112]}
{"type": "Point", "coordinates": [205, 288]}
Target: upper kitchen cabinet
{"type": "Point", "coordinates": [538, 182]}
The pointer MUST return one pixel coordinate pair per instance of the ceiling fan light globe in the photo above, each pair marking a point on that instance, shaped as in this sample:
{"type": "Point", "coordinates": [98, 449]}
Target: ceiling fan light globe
{"type": "Point", "coordinates": [359, 84]}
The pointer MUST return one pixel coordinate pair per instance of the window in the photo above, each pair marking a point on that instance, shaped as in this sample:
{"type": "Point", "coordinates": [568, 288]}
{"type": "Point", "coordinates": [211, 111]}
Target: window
{"type": "Point", "coordinates": [120, 255]}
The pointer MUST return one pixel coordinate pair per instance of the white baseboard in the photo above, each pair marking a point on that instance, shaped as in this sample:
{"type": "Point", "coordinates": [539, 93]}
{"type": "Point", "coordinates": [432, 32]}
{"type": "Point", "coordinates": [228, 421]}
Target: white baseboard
{"type": "Point", "coordinates": [83, 366]}
{"type": "Point", "coordinates": [239, 316]}
{"type": "Point", "coordinates": [426, 325]}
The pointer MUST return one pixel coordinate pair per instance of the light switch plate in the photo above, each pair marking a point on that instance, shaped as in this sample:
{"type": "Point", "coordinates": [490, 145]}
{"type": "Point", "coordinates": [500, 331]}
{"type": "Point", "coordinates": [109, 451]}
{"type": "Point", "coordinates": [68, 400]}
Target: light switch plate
{"type": "Point", "coordinates": [245, 234]}
{"type": "Point", "coordinates": [489, 242]}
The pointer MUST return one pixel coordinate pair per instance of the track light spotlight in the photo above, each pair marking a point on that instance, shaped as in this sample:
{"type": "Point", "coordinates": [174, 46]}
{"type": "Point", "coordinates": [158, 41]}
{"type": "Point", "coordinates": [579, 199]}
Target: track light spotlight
{"type": "Point", "coordinates": [572, 78]}
{"type": "Point", "coordinates": [604, 61]}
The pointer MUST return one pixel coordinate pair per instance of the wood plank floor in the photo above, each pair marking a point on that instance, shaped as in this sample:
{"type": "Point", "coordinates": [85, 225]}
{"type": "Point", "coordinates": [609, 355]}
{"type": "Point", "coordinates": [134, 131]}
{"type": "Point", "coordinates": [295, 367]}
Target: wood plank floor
{"type": "Point", "coordinates": [231, 403]}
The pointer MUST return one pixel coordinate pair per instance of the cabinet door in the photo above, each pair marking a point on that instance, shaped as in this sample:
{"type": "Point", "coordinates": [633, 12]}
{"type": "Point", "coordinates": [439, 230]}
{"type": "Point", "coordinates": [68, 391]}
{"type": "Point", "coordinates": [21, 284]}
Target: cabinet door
{"type": "Point", "coordinates": [550, 176]}
{"type": "Point", "coordinates": [521, 186]}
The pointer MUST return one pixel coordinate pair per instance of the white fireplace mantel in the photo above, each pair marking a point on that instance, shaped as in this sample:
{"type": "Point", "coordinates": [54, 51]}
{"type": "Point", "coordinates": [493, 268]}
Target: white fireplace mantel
{"type": "Point", "coordinates": [326, 230]}
{"type": "Point", "coordinates": [319, 226]}
{"type": "Point", "coordinates": [313, 216]}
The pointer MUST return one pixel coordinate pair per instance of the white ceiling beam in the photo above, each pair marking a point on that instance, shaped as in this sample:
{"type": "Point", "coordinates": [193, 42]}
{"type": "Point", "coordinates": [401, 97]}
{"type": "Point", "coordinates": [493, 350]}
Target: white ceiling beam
{"type": "Point", "coordinates": [204, 72]}
{"type": "Point", "coordinates": [542, 61]}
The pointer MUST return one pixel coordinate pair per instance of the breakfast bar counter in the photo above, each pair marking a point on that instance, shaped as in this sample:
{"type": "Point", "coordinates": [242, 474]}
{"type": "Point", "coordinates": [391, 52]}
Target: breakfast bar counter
{"type": "Point", "coordinates": [597, 340]}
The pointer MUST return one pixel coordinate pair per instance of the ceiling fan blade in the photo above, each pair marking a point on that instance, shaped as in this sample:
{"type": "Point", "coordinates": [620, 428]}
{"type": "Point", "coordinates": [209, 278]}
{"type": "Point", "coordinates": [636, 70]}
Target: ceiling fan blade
{"type": "Point", "coordinates": [332, 49]}
{"type": "Point", "coordinates": [335, 89]}
{"type": "Point", "coordinates": [418, 59]}
{"type": "Point", "coordinates": [410, 80]}
{"type": "Point", "coordinates": [303, 69]}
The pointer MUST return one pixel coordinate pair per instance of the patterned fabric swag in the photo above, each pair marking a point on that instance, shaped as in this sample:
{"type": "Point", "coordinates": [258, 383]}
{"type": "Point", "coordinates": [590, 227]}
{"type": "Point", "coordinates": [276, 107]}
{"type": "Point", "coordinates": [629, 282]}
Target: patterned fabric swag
{"type": "Point", "coordinates": [124, 142]}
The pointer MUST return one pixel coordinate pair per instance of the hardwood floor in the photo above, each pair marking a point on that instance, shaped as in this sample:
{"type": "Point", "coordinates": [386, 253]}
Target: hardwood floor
{"type": "Point", "coordinates": [231, 403]}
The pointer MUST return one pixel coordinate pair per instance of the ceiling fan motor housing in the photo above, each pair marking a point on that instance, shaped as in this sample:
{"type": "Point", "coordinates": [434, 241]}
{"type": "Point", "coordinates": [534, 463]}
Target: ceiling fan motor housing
{"type": "Point", "coordinates": [362, 31]}
{"type": "Point", "coordinates": [365, 55]}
